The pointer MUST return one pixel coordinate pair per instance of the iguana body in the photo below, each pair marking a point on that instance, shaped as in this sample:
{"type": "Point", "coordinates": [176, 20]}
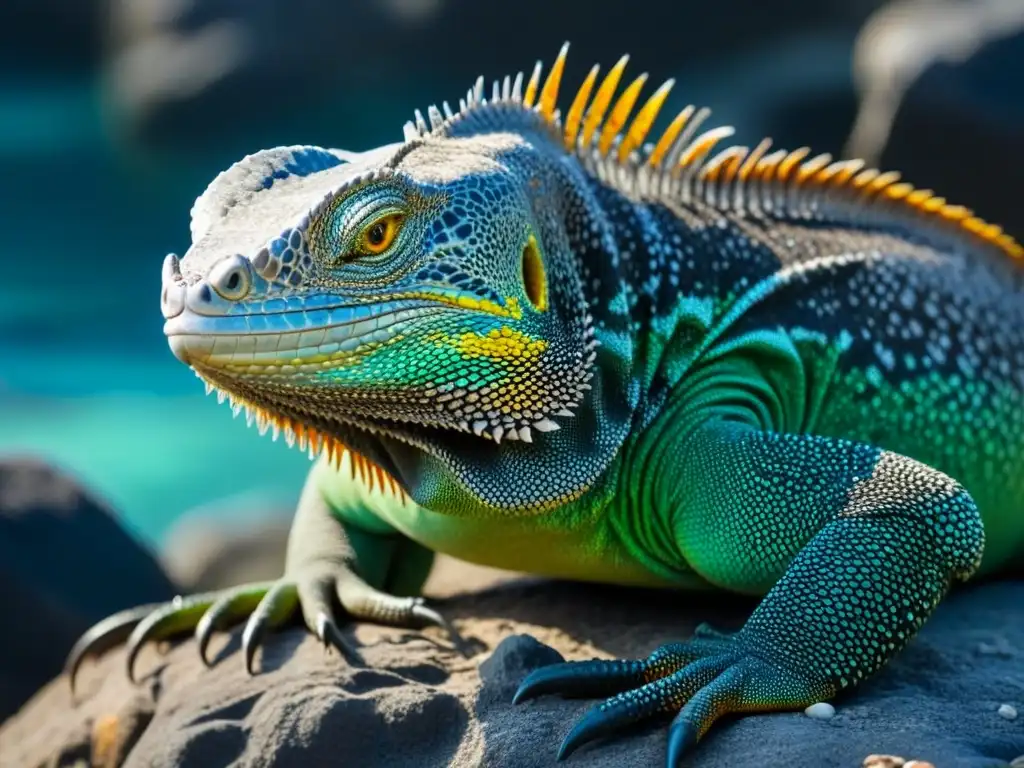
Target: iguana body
{"type": "Point", "coordinates": [542, 344]}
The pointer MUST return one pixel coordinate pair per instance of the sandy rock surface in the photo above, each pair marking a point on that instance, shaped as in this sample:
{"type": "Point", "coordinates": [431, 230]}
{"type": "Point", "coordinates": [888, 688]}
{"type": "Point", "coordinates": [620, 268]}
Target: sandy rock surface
{"type": "Point", "coordinates": [417, 702]}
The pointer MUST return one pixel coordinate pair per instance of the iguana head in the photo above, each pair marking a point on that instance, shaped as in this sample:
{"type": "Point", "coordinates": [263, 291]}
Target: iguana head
{"type": "Point", "coordinates": [414, 291]}
{"type": "Point", "coordinates": [427, 304]}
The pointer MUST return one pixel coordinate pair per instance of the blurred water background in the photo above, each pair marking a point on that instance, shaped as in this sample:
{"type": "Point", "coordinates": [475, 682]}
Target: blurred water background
{"type": "Point", "coordinates": [114, 114]}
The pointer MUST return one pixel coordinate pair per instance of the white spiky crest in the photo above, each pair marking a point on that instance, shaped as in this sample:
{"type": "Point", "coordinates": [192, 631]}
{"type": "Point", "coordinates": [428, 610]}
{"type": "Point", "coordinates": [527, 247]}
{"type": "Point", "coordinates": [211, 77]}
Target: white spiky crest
{"type": "Point", "coordinates": [680, 165]}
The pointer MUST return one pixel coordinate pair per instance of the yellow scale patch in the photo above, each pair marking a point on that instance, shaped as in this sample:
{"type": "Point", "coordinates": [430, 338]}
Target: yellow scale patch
{"type": "Point", "coordinates": [585, 121]}
{"type": "Point", "coordinates": [504, 344]}
{"type": "Point", "coordinates": [517, 351]}
{"type": "Point", "coordinates": [511, 308]}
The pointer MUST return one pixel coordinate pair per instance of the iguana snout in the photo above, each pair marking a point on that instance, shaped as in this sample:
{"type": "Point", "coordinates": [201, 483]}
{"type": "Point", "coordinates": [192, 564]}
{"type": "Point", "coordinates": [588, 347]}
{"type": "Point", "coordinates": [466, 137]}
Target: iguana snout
{"type": "Point", "coordinates": [198, 309]}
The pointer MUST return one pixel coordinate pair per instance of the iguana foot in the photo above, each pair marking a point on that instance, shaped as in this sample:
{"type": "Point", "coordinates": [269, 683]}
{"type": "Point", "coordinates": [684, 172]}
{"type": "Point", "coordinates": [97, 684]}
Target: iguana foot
{"type": "Point", "coordinates": [699, 681]}
{"type": "Point", "coordinates": [267, 605]}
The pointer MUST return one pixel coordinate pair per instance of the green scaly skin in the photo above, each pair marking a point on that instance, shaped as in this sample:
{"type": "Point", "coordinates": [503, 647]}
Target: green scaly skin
{"type": "Point", "coordinates": [560, 350]}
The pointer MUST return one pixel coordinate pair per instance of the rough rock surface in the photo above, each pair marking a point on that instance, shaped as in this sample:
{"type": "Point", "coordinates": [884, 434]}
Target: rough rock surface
{"type": "Point", "coordinates": [417, 702]}
{"type": "Point", "coordinates": [65, 563]}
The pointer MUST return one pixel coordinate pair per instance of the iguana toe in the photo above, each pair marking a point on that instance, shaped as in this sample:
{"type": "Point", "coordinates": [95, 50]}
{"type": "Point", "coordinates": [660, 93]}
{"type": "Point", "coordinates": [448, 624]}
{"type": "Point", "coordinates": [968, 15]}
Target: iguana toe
{"type": "Point", "coordinates": [581, 679]}
{"type": "Point", "coordinates": [698, 681]}
{"type": "Point", "coordinates": [264, 606]}
{"type": "Point", "coordinates": [167, 620]}
{"type": "Point", "coordinates": [230, 608]}
{"type": "Point", "coordinates": [276, 607]}
{"type": "Point", "coordinates": [104, 635]}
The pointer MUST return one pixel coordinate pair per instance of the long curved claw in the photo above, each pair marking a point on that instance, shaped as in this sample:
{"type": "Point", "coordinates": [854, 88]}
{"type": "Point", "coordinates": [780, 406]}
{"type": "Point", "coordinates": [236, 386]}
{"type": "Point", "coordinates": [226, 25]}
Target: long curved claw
{"type": "Point", "coordinates": [603, 720]}
{"type": "Point", "coordinates": [328, 633]}
{"type": "Point", "coordinates": [173, 618]}
{"type": "Point", "coordinates": [664, 695]}
{"type": "Point", "coordinates": [276, 607]}
{"type": "Point", "coordinates": [714, 674]}
{"type": "Point", "coordinates": [427, 615]}
{"type": "Point", "coordinates": [229, 609]}
{"type": "Point", "coordinates": [723, 694]}
{"type": "Point", "coordinates": [682, 737]}
{"type": "Point", "coordinates": [104, 635]}
{"type": "Point", "coordinates": [581, 679]}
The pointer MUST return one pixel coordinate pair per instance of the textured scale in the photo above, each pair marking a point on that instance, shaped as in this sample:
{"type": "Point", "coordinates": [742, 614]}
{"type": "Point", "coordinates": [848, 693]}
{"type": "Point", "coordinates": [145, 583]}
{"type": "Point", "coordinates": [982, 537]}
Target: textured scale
{"type": "Point", "coordinates": [591, 349]}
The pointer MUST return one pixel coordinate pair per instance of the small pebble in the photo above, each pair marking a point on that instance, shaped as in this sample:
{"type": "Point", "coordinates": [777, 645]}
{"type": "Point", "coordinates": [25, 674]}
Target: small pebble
{"type": "Point", "coordinates": [883, 761]}
{"type": "Point", "coordinates": [918, 764]}
{"type": "Point", "coordinates": [820, 711]}
{"type": "Point", "coordinates": [1007, 711]}
{"type": "Point", "coordinates": [1017, 762]}
{"type": "Point", "coordinates": [1000, 647]}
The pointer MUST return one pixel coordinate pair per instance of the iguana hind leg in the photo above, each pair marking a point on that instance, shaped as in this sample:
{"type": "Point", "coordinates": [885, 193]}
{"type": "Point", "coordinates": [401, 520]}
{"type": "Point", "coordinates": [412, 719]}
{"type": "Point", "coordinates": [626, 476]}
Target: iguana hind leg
{"type": "Point", "coordinates": [330, 563]}
{"type": "Point", "coordinates": [867, 542]}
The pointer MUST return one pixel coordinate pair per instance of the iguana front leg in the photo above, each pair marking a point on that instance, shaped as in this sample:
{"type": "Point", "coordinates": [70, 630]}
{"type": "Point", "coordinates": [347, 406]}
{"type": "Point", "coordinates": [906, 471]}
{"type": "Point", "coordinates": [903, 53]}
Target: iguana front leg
{"type": "Point", "coordinates": [866, 542]}
{"type": "Point", "coordinates": [339, 553]}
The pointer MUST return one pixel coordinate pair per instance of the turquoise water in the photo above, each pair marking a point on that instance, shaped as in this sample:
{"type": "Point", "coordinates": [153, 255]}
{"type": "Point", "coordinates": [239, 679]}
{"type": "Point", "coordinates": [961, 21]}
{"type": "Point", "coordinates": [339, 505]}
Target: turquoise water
{"type": "Point", "coordinates": [86, 378]}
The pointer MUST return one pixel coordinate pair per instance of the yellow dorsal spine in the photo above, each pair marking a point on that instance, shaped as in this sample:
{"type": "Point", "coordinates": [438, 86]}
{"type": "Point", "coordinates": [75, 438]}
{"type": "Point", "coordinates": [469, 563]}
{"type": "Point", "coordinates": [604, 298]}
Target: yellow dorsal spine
{"type": "Point", "coordinates": [579, 103]}
{"type": "Point", "coordinates": [602, 99]}
{"type": "Point", "coordinates": [643, 121]}
{"type": "Point", "coordinates": [549, 93]}
{"type": "Point", "coordinates": [683, 153]}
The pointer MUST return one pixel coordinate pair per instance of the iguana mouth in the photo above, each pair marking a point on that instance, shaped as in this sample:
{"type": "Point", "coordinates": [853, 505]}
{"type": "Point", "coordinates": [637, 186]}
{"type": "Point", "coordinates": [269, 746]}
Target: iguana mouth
{"type": "Point", "coordinates": [265, 343]}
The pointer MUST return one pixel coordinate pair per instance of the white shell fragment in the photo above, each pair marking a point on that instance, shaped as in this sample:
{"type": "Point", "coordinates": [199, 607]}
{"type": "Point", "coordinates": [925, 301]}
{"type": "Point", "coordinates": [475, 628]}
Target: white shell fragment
{"type": "Point", "coordinates": [820, 711]}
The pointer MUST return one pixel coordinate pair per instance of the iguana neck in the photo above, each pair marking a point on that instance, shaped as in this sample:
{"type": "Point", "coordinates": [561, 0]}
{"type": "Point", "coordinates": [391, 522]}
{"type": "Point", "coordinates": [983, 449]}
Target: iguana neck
{"type": "Point", "coordinates": [462, 474]}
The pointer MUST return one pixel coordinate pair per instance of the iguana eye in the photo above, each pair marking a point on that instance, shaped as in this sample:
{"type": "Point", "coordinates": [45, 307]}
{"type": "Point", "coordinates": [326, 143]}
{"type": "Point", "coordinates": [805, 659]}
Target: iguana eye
{"type": "Point", "coordinates": [379, 235]}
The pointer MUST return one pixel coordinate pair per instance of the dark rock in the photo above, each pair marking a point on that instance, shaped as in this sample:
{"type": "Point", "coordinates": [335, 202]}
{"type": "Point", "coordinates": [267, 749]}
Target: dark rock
{"type": "Point", "coordinates": [65, 563]}
{"type": "Point", "coordinates": [512, 660]}
{"type": "Point", "coordinates": [419, 702]}
{"type": "Point", "coordinates": [943, 101]}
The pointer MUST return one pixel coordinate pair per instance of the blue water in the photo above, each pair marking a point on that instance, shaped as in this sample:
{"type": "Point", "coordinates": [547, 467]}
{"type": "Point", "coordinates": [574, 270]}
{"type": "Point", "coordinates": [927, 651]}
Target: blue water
{"type": "Point", "coordinates": [86, 378]}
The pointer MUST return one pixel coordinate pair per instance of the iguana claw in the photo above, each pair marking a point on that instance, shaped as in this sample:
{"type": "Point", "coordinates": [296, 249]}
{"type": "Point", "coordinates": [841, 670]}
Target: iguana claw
{"type": "Point", "coordinates": [276, 607]}
{"type": "Point", "coordinates": [263, 606]}
{"type": "Point", "coordinates": [167, 620]}
{"type": "Point", "coordinates": [701, 680]}
{"type": "Point", "coordinates": [228, 609]}
{"type": "Point", "coordinates": [104, 635]}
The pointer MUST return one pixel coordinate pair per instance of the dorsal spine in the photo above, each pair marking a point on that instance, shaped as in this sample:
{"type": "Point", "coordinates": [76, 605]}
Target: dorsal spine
{"type": "Point", "coordinates": [610, 141]}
